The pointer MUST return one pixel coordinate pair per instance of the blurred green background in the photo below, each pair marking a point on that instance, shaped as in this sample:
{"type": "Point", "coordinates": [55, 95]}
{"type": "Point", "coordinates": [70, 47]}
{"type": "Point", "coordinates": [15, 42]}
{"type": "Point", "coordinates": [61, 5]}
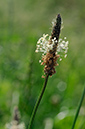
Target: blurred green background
{"type": "Point", "coordinates": [22, 23]}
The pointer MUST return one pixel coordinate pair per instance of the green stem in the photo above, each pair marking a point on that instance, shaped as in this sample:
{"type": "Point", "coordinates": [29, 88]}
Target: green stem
{"type": "Point", "coordinates": [38, 102]}
{"type": "Point", "coordinates": [77, 113]}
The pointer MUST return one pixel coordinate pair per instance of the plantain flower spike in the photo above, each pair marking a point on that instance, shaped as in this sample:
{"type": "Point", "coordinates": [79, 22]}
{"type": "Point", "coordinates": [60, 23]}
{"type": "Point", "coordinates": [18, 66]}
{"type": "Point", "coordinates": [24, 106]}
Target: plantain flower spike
{"type": "Point", "coordinates": [15, 123]}
{"type": "Point", "coordinates": [52, 48]}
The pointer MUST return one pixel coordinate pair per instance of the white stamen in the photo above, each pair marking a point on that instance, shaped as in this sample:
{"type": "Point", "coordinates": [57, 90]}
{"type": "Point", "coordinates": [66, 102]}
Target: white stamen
{"type": "Point", "coordinates": [39, 61]}
{"type": "Point", "coordinates": [65, 55]}
{"type": "Point", "coordinates": [60, 59]}
{"type": "Point", "coordinates": [44, 46]}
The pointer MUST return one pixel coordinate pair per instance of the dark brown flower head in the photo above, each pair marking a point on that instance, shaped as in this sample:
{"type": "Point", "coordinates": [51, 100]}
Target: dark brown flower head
{"type": "Point", "coordinates": [51, 47]}
{"type": "Point", "coordinates": [15, 123]}
{"type": "Point", "coordinates": [16, 116]}
{"type": "Point", "coordinates": [56, 28]}
{"type": "Point", "coordinates": [50, 59]}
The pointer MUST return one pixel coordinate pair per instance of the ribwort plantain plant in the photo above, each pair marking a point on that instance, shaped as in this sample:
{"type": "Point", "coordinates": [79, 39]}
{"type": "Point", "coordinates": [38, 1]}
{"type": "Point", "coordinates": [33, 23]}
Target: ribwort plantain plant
{"type": "Point", "coordinates": [15, 123]}
{"type": "Point", "coordinates": [52, 48]}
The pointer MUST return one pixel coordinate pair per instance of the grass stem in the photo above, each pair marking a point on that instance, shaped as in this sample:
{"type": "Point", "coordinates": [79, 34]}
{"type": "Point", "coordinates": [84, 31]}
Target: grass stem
{"type": "Point", "coordinates": [77, 113]}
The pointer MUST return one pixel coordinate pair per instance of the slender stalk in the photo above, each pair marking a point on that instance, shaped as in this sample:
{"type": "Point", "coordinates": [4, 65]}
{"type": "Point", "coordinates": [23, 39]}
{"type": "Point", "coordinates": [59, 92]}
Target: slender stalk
{"type": "Point", "coordinates": [77, 113]}
{"type": "Point", "coordinates": [38, 102]}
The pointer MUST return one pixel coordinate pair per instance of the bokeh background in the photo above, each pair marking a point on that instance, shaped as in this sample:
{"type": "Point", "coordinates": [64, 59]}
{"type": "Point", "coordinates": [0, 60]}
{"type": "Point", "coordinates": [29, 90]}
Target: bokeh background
{"type": "Point", "coordinates": [22, 23]}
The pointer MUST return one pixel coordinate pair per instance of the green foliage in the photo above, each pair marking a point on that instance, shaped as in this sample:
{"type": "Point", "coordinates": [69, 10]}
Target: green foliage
{"type": "Point", "coordinates": [21, 24]}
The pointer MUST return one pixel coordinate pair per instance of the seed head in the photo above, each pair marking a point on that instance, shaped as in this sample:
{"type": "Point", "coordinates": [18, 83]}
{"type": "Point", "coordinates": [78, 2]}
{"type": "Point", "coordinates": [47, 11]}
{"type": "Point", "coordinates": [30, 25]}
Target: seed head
{"type": "Point", "coordinates": [52, 48]}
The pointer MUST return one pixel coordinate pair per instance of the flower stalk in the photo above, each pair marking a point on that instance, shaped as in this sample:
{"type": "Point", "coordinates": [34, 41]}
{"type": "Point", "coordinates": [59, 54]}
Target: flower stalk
{"type": "Point", "coordinates": [38, 102]}
{"type": "Point", "coordinates": [50, 59]}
